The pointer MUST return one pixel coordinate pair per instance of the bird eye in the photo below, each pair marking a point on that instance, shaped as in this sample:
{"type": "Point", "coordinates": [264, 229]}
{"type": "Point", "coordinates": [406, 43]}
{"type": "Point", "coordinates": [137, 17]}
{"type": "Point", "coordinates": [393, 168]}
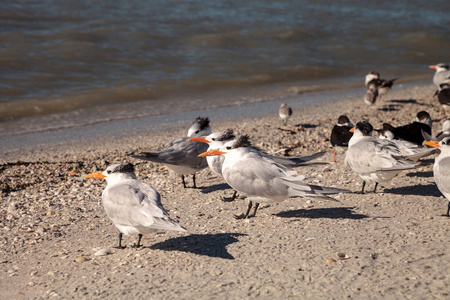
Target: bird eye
{"type": "Point", "coordinates": [228, 148]}
{"type": "Point", "coordinates": [213, 139]}
{"type": "Point", "coordinates": [109, 171]}
{"type": "Point", "coordinates": [197, 131]}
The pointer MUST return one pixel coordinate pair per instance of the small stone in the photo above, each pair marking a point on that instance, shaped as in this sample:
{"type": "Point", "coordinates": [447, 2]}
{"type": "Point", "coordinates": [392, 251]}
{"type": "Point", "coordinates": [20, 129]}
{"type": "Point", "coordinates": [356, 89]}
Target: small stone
{"type": "Point", "coordinates": [430, 217]}
{"type": "Point", "coordinates": [80, 259]}
{"type": "Point", "coordinates": [330, 261]}
{"type": "Point", "coordinates": [102, 252]}
{"type": "Point", "coordinates": [342, 256]}
{"type": "Point", "coordinates": [50, 213]}
{"type": "Point", "coordinates": [327, 168]}
{"type": "Point", "coordinates": [72, 173]}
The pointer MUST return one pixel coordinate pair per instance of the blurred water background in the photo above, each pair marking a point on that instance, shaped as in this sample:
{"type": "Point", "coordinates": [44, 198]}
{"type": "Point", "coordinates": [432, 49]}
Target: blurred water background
{"type": "Point", "coordinates": [70, 63]}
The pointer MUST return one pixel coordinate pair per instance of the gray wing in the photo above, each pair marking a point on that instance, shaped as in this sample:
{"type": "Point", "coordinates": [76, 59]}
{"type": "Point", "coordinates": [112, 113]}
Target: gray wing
{"type": "Point", "coordinates": [373, 155]}
{"type": "Point", "coordinates": [442, 175]}
{"type": "Point", "coordinates": [301, 160]}
{"type": "Point", "coordinates": [137, 204]}
{"type": "Point", "coordinates": [182, 153]}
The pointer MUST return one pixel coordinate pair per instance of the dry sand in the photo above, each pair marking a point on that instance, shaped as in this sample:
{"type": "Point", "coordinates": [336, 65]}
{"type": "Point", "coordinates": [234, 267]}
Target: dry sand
{"type": "Point", "coordinates": [388, 245]}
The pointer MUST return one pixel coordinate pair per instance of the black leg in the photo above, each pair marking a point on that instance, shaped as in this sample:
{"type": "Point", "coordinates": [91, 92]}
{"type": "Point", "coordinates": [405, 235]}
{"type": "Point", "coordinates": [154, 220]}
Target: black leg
{"type": "Point", "coordinates": [139, 242]}
{"type": "Point", "coordinates": [193, 179]}
{"type": "Point", "coordinates": [375, 189]}
{"type": "Point", "coordinates": [244, 216]}
{"type": "Point", "coordinates": [448, 210]}
{"type": "Point", "coordinates": [182, 179]}
{"type": "Point", "coordinates": [362, 190]}
{"type": "Point", "coordinates": [254, 212]}
{"type": "Point", "coordinates": [224, 199]}
{"type": "Point", "coordinates": [120, 242]}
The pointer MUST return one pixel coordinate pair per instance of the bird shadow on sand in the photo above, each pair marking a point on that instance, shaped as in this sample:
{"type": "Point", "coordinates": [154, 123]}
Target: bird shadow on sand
{"type": "Point", "coordinates": [214, 187]}
{"type": "Point", "coordinates": [426, 174]}
{"type": "Point", "coordinates": [418, 190]}
{"type": "Point", "coordinates": [306, 125]}
{"type": "Point", "coordinates": [403, 101]}
{"type": "Point", "coordinates": [212, 245]}
{"type": "Point", "coordinates": [390, 107]}
{"type": "Point", "coordinates": [315, 213]}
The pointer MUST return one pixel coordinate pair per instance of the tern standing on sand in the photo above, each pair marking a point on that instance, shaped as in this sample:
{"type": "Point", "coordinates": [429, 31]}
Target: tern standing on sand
{"type": "Point", "coordinates": [441, 168]}
{"type": "Point", "coordinates": [260, 178]}
{"type": "Point", "coordinates": [375, 160]}
{"type": "Point", "coordinates": [181, 155]}
{"type": "Point", "coordinates": [340, 134]}
{"type": "Point", "coordinates": [442, 73]}
{"type": "Point", "coordinates": [134, 207]}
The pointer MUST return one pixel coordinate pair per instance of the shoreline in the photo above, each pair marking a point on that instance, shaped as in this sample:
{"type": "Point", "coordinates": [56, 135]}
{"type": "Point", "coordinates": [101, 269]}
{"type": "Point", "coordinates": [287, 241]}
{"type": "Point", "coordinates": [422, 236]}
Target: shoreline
{"type": "Point", "coordinates": [388, 245]}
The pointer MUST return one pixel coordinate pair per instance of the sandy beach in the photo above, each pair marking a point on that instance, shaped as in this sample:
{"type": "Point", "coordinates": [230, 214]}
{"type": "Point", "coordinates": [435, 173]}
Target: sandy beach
{"type": "Point", "coordinates": [389, 245]}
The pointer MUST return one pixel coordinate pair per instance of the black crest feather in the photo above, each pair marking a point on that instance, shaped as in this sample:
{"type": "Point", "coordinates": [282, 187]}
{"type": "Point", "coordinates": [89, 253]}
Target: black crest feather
{"type": "Point", "coordinates": [202, 122]}
{"type": "Point", "coordinates": [243, 141]}
{"type": "Point", "coordinates": [226, 135]}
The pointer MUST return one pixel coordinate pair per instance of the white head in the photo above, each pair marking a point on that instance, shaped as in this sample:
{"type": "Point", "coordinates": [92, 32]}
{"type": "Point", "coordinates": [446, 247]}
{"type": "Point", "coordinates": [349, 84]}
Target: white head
{"type": "Point", "coordinates": [446, 126]}
{"type": "Point", "coordinates": [200, 127]}
{"type": "Point", "coordinates": [440, 67]}
{"type": "Point", "coordinates": [115, 173]}
{"type": "Point", "coordinates": [371, 76]}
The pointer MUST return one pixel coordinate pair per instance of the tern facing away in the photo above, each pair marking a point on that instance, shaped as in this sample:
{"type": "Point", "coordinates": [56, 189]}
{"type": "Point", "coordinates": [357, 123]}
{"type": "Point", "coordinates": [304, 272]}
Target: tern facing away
{"type": "Point", "coordinates": [134, 207]}
{"type": "Point", "coordinates": [181, 155]}
{"type": "Point", "coordinates": [377, 160]}
{"type": "Point", "coordinates": [260, 178]}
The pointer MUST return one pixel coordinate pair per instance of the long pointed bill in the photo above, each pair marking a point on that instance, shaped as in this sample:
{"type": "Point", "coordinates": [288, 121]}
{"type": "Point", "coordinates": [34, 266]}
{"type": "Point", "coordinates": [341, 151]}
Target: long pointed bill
{"type": "Point", "coordinates": [433, 144]}
{"type": "Point", "coordinates": [96, 175]}
{"type": "Point", "coordinates": [352, 130]}
{"type": "Point", "coordinates": [200, 139]}
{"type": "Point", "coordinates": [214, 152]}
{"type": "Point", "coordinates": [432, 67]}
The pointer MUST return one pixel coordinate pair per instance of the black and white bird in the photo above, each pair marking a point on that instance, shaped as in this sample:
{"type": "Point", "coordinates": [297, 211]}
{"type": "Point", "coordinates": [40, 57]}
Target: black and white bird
{"type": "Point", "coordinates": [377, 87]}
{"type": "Point", "coordinates": [410, 132]}
{"type": "Point", "coordinates": [376, 160]}
{"type": "Point", "coordinates": [181, 155]}
{"type": "Point", "coordinates": [441, 168]}
{"type": "Point", "coordinates": [340, 134]}
{"type": "Point", "coordinates": [443, 95]}
{"type": "Point", "coordinates": [260, 178]}
{"type": "Point", "coordinates": [134, 207]}
{"type": "Point", "coordinates": [285, 113]}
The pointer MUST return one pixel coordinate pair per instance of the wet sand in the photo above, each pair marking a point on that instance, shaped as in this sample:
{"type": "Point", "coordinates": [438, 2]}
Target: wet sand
{"type": "Point", "coordinates": [388, 245]}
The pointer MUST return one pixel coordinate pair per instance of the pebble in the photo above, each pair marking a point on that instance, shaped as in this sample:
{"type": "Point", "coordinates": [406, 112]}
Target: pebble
{"type": "Point", "coordinates": [80, 259]}
{"type": "Point", "coordinates": [330, 261]}
{"type": "Point", "coordinates": [102, 252]}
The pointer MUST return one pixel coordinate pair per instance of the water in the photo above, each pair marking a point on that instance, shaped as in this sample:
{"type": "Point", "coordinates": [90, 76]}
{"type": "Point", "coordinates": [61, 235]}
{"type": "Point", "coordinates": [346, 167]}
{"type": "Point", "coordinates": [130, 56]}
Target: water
{"type": "Point", "coordinates": [71, 63]}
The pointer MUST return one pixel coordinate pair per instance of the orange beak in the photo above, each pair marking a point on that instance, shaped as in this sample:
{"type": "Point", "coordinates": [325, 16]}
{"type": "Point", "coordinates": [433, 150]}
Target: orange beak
{"type": "Point", "coordinates": [432, 67]}
{"type": "Point", "coordinates": [200, 139]}
{"type": "Point", "coordinates": [434, 144]}
{"type": "Point", "coordinates": [214, 152]}
{"type": "Point", "coordinates": [96, 175]}
{"type": "Point", "coordinates": [352, 130]}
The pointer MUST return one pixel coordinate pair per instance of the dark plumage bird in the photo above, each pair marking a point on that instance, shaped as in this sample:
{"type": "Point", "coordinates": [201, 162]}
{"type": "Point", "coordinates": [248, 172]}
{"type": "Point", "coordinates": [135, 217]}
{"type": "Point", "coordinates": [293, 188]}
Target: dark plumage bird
{"type": "Point", "coordinates": [340, 134]}
{"type": "Point", "coordinates": [410, 132]}
{"type": "Point", "coordinates": [377, 87]}
{"type": "Point", "coordinates": [444, 96]}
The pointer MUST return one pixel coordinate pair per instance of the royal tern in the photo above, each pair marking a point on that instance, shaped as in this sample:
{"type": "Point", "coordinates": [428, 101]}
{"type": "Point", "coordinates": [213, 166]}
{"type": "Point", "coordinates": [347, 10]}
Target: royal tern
{"type": "Point", "coordinates": [441, 168]}
{"type": "Point", "coordinates": [285, 113]}
{"type": "Point", "coordinates": [181, 155]}
{"type": "Point", "coordinates": [134, 207]}
{"type": "Point", "coordinates": [217, 139]}
{"type": "Point", "coordinates": [375, 160]}
{"type": "Point", "coordinates": [442, 73]}
{"type": "Point", "coordinates": [260, 178]}
{"type": "Point", "coordinates": [410, 132]}
{"type": "Point", "coordinates": [340, 134]}
{"type": "Point", "coordinates": [445, 132]}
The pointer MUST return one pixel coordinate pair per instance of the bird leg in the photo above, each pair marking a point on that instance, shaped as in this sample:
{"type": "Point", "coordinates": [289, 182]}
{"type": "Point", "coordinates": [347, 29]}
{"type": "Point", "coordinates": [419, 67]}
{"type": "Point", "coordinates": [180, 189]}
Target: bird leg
{"type": "Point", "coordinates": [448, 210]}
{"type": "Point", "coordinates": [182, 179]}
{"type": "Point", "coordinates": [244, 216]}
{"type": "Point", "coordinates": [375, 189]}
{"type": "Point", "coordinates": [362, 190]}
{"type": "Point", "coordinates": [139, 242]}
{"type": "Point", "coordinates": [120, 242]}
{"type": "Point", "coordinates": [254, 212]}
{"type": "Point", "coordinates": [224, 199]}
{"type": "Point", "coordinates": [193, 178]}
{"type": "Point", "coordinates": [334, 158]}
